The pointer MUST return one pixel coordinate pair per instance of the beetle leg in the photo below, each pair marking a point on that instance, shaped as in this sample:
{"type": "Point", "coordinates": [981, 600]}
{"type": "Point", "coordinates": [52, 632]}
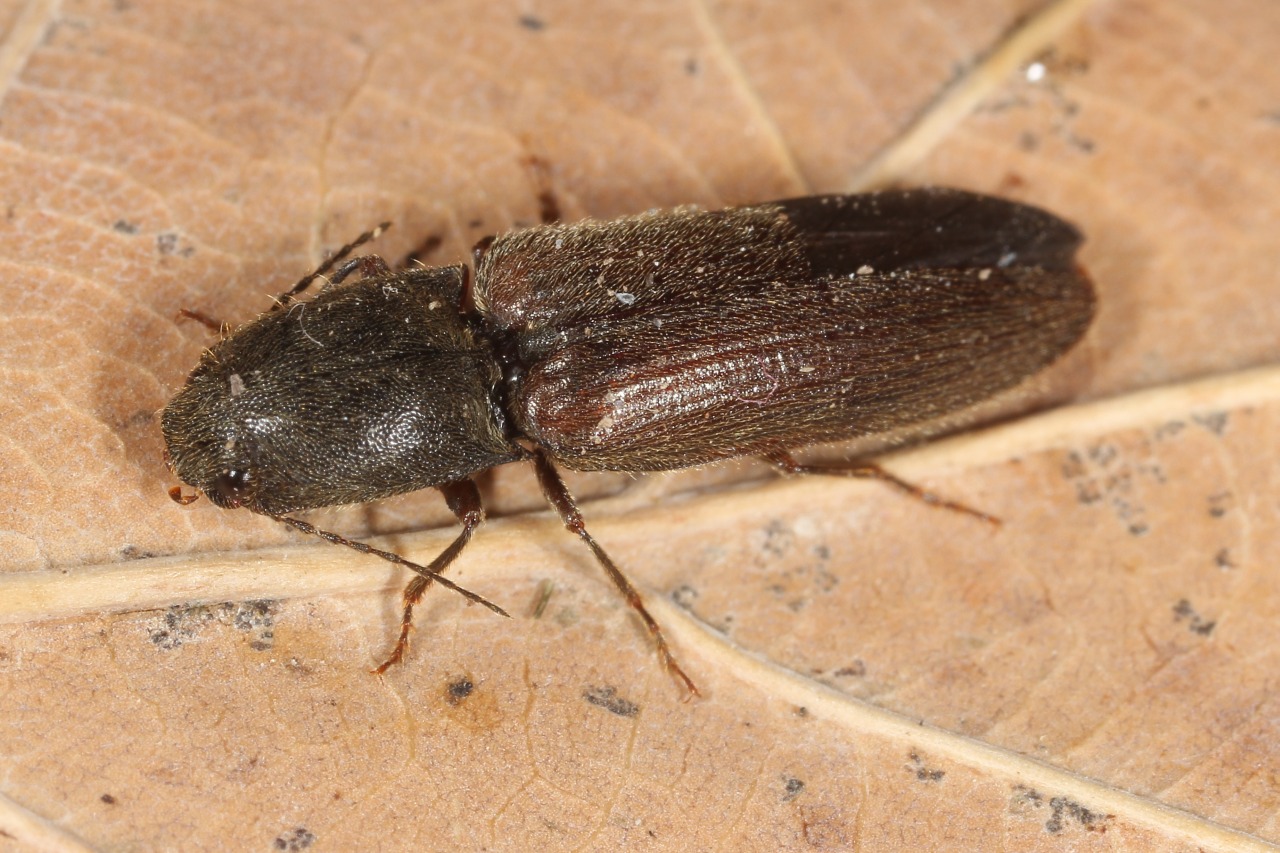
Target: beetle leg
{"type": "Point", "coordinates": [305, 282]}
{"type": "Point", "coordinates": [432, 571]}
{"type": "Point", "coordinates": [223, 329]}
{"type": "Point", "coordinates": [176, 495]}
{"type": "Point", "coordinates": [480, 249]}
{"type": "Point", "coordinates": [540, 176]}
{"type": "Point", "coordinates": [368, 265]}
{"type": "Point", "coordinates": [428, 247]}
{"type": "Point", "coordinates": [786, 463]}
{"type": "Point", "coordinates": [463, 498]}
{"type": "Point", "coordinates": [558, 496]}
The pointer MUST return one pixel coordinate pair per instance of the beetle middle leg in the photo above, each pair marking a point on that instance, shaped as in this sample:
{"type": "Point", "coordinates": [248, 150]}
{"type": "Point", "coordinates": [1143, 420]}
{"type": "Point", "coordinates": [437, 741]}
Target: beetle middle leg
{"type": "Point", "coordinates": [558, 496]}
{"type": "Point", "coordinates": [787, 463]}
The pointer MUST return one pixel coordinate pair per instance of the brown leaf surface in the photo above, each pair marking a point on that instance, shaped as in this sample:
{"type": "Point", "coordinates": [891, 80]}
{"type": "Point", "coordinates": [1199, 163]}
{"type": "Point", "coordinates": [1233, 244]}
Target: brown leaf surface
{"type": "Point", "coordinates": [1098, 673]}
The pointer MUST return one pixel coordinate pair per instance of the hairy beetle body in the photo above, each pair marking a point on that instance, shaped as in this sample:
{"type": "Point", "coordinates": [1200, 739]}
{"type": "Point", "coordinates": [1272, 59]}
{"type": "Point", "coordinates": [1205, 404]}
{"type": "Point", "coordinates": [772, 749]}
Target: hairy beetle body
{"type": "Point", "coordinates": [653, 342]}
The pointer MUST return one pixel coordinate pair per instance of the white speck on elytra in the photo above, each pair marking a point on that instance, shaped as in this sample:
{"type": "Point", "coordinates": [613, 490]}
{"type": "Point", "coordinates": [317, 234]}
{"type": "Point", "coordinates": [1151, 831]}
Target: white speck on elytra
{"type": "Point", "coordinates": [601, 430]}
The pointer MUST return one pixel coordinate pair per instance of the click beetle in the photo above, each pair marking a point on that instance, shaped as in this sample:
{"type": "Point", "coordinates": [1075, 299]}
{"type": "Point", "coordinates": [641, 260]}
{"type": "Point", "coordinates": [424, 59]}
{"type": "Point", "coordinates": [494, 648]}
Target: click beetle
{"type": "Point", "coordinates": [648, 343]}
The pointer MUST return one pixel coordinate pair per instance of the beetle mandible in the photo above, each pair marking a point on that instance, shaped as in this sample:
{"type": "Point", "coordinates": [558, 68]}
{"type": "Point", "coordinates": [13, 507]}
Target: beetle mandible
{"type": "Point", "coordinates": [649, 343]}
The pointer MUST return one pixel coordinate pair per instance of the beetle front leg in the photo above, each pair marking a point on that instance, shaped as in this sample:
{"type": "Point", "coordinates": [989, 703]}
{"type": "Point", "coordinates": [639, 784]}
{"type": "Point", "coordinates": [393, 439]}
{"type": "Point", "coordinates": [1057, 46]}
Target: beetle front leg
{"type": "Point", "coordinates": [287, 297]}
{"type": "Point", "coordinates": [558, 496]}
{"type": "Point", "coordinates": [463, 499]}
{"type": "Point", "coordinates": [786, 463]}
{"type": "Point", "coordinates": [222, 328]}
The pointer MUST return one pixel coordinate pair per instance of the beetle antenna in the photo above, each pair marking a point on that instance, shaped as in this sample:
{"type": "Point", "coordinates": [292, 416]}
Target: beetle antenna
{"type": "Point", "coordinates": [428, 573]}
{"type": "Point", "coordinates": [305, 282]}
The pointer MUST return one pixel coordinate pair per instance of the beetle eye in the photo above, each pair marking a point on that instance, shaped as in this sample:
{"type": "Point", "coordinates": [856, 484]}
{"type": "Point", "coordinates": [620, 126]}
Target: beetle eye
{"type": "Point", "coordinates": [232, 486]}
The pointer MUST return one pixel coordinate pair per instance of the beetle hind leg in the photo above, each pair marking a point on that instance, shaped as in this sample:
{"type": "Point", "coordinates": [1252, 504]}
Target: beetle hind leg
{"type": "Point", "coordinates": [786, 463]}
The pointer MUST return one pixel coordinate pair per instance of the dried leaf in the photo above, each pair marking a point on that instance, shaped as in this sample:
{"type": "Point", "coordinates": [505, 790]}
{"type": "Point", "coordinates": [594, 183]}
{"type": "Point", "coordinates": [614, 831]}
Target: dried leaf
{"type": "Point", "coordinates": [1096, 673]}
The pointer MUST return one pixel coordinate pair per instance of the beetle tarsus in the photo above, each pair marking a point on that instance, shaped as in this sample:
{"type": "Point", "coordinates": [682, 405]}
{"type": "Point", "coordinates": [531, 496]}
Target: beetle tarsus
{"type": "Point", "coordinates": [412, 595]}
{"type": "Point", "coordinates": [867, 470]}
{"type": "Point", "coordinates": [176, 495]}
{"type": "Point", "coordinates": [463, 500]}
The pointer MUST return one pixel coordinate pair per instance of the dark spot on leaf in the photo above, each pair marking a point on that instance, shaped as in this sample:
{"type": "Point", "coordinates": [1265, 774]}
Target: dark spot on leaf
{"type": "Point", "coordinates": [923, 773]}
{"type": "Point", "coordinates": [257, 618]}
{"type": "Point", "coordinates": [295, 840]}
{"type": "Point", "coordinates": [1028, 796]}
{"type": "Point", "coordinates": [1195, 623]}
{"type": "Point", "coordinates": [1073, 466]}
{"type": "Point", "coordinates": [178, 625]}
{"type": "Point", "coordinates": [253, 615]}
{"type": "Point", "coordinates": [684, 596]}
{"type": "Point", "coordinates": [857, 669]}
{"type": "Point", "coordinates": [608, 698]}
{"type": "Point", "coordinates": [778, 538]}
{"type": "Point", "coordinates": [181, 624]}
{"type": "Point", "coordinates": [1215, 422]}
{"type": "Point", "coordinates": [167, 243]}
{"type": "Point", "coordinates": [459, 689]}
{"type": "Point", "coordinates": [1065, 811]}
